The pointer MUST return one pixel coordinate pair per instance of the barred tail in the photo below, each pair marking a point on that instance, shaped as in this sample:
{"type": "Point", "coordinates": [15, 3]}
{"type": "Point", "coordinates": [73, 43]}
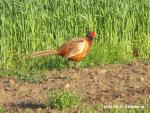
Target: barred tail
{"type": "Point", "coordinates": [42, 53]}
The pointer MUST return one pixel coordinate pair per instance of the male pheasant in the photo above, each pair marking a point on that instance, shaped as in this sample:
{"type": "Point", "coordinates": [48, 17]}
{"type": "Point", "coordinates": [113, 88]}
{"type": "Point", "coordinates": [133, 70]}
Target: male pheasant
{"type": "Point", "coordinates": [74, 50]}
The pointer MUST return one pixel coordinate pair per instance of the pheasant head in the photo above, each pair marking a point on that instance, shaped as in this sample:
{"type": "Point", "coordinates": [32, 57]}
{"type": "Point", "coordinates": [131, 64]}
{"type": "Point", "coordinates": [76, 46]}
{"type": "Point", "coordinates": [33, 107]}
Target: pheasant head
{"type": "Point", "coordinates": [91, 35]}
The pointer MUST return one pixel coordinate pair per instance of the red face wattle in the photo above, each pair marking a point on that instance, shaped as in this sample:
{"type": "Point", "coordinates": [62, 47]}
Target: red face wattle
{"type": "Point", "coordinates": [92, 34]}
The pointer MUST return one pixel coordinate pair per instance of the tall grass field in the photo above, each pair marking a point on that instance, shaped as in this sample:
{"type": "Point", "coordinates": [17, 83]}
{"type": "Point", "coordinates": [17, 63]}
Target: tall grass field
{"type": "Point", "coordinates": [122, 26]}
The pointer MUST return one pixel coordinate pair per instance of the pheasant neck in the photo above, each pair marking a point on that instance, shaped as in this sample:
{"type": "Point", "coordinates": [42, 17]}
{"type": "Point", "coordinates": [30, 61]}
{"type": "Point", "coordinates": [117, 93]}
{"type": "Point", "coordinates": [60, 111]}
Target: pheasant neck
{"type": "Point", "coordinates": [89, 40]}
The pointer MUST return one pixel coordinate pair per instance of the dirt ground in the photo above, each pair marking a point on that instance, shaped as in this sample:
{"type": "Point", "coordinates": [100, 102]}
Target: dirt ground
{"type": "Point", "coordinates": [107, 84]}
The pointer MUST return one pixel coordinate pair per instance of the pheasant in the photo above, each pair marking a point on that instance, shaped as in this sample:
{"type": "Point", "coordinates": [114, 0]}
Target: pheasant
{"type": "Point", "coordinates": [74, 50]}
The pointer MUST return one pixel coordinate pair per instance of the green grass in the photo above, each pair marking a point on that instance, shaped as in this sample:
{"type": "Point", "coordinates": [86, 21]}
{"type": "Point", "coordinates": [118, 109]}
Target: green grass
{"type": "Point", "coordinates": [32, 25]}
{"type": "Point", "coordinates": [2, 109]}
{"type": "Point", "coordinates": [63, 99]}
{"type": "Point", "coordinates": [67, 101]}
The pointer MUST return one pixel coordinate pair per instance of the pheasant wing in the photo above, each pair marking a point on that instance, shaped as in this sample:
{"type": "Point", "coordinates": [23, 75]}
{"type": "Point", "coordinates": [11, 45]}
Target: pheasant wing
{"type": "Point", "coordinates": [76, 48]}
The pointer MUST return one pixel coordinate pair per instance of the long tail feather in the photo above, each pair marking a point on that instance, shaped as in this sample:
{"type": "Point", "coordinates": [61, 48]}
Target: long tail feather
{"type": "Point", "coordinates": [42, 53]}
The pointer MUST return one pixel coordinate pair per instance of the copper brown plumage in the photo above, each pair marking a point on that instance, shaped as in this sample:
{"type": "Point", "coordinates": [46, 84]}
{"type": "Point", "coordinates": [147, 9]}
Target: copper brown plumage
{"type": "Point", "coordinates": [75, 49]}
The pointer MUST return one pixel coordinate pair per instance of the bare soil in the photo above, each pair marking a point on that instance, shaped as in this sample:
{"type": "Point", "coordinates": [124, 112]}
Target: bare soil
{"type": "Point", "coordinates": [107, 84]}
